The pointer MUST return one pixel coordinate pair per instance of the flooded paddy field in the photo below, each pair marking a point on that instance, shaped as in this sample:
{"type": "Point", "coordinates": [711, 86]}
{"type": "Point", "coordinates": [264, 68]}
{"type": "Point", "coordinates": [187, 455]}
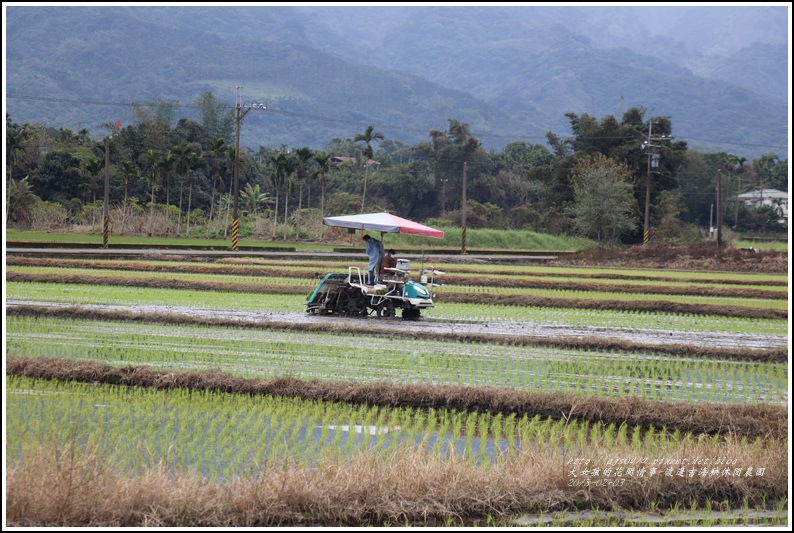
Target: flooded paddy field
{"type": "Point", "coordinates": [614, 368]}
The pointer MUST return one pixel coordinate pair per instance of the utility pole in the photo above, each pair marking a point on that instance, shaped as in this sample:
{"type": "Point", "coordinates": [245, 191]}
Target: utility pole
{"type": "Point", "coordinates": [106, 209]}
{"type": "Point", "coordinates": [719, 209]}
{"type": "Point", "coordinates": [444, 196]}
{"type": "Point", "coordinates": [463, 212]}
{"type": "Point", "coordinates": [240, 112]}
{"type": "Point", "coordinates": [652, 158]}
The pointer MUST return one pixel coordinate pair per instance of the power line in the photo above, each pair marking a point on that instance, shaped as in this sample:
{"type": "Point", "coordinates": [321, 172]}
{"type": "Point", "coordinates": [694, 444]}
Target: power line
{"type": "Point", "coordinates": [337, 120]}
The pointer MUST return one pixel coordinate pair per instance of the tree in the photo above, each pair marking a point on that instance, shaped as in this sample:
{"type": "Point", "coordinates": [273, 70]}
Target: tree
{"type": "Point", "coordinates": [20, 202]}
{"type": "Point", "coordinates": [323, 162]}
{"type": "Point", "coordinates": [277, 180]}
{"type": "Point", "coordinates": [128, 171]}
{"type": "Point", "coordinates": [216, 117]}
{"type": "Point", "coordinates": [93, 167]}
{"type": "Point", "coordinates": [302, 158]}
{"type": "Point", "coordinates": [369, 136]}
{"type": "Point", "coordinates": [216, 166]}
{"type": "Point", "coordinates": [253, 198]}
{"type": "Point", "coordinates": [448, 151]}
{"type": "Point", "coordinates": [59, 177]}
{"type": "Point", "coordinates": [15, 135]}
{"type": "Point", "coordinates": [603, 206]}
{"type": "Point", "coordinates": [183, 156]}
{"type": "Point", "coordinates": [151, 162]}
{"type": "Point", "coordinates": [289, 165]}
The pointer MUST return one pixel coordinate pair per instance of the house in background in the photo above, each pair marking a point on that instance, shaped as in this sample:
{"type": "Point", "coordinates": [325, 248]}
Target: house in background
{"type": "Point", "coordinates": [341, 159]}
{"type": "Point", "coordinates": [772, 197]}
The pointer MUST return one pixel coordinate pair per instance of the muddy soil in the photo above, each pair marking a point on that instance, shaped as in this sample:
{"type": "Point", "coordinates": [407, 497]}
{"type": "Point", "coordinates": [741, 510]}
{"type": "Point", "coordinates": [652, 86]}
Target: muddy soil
{"type": "Point", "coordinates": [426, 325]}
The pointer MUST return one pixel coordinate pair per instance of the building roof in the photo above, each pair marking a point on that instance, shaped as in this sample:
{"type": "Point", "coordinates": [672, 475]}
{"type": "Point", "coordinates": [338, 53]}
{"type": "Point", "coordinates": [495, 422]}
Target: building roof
{"type": "Point", "coordinates": [763, 193]}
{"type": "Point", "coordinates": [343, 159]}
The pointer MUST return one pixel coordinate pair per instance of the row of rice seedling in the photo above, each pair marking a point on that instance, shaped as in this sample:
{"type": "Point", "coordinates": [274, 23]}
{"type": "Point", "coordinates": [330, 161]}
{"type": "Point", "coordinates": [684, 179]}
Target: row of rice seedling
{"type": "Point", "coordinates": [577, 272]}
{"type": "Point", "coordinates": [601, 318]}
{"type": "Point", "coordinates": [341, 357]}
{"type": "Point", "coordinates": [617, 296]}
{"type": "Point", "coordinates": [481, 278]}
{"type": "Point", "coordinates": [225, 436]}
{"type": "Point", "coordinates": [304, 281]}
{"type": "Point", "coordinates": [458, 275]}
{"type": "Point", "coordinates": [505, 279]}
{"type": "Point", "coordinates": [546, 316]}
{"type": "Point", "coordinates": [80, 294]}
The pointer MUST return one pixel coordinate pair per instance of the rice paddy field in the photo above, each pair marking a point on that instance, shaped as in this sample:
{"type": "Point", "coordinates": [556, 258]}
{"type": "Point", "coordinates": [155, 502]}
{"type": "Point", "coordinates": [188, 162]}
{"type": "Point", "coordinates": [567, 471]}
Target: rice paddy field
{"type": "Point", "coordinates": [178, 392]}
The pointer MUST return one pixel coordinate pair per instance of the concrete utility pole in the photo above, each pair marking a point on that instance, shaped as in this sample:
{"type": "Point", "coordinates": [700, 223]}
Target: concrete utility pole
{"type": "Point", "coordinates": [106, 209]}
{"type": "Point", "coordinates": [647, 145]}
{"type": "Point", "coordinates": [240, 112]}
{"type": "Point", "coordinates": [463, 212]}
{"type": "Point", "coordinates": [719, 208]}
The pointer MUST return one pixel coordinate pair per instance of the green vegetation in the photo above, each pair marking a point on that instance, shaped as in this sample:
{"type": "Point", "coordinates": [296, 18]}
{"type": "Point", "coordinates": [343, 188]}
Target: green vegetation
{"type": "Point", "coordinates": [176, 182]}
{"type": "Point", "coordinates": [244, 389]}
{"type": "Point", "coordinates": [269, 354]}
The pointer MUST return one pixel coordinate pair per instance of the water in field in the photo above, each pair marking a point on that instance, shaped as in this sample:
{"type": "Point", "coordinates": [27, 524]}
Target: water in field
{"type": "Point", "coordinates": [235, 438]}
{"type": "Point", "coordinates": [263, 353]}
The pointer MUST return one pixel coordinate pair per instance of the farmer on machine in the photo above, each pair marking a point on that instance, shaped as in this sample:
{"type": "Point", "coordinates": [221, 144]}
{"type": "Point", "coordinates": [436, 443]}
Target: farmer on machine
{"type": "Point", "coordinates": [375, 253]}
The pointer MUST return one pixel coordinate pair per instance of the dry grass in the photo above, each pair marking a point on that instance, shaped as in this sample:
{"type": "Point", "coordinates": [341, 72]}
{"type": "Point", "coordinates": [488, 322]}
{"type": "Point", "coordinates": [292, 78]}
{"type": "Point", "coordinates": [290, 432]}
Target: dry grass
{"type": "Point", "coordinates": [66, 486]}
{"type": "Point", "coordinates": [751, 421]}
{"type": "Point", "coordinates": [778, 355]}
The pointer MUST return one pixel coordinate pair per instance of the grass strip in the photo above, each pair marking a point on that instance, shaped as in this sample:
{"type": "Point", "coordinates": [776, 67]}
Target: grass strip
{"type": "Point", "coordinates": [749, 421]}
{"type": "Point", "coordinates": [457, 297]}
{"type": "Point", "coordinates": [779, 355]}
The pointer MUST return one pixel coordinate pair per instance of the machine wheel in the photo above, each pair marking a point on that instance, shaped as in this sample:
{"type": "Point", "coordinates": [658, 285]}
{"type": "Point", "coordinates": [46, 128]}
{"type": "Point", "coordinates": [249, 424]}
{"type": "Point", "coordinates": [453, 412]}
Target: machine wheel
{"type": "Point", "coordinates": [411, 314]}
{"type": "Point", "coordinates": [343, 302]}
{"type": "Point", "coordinates": [386, 309]}
{"type": "Point", "coordinates": [356, 303]}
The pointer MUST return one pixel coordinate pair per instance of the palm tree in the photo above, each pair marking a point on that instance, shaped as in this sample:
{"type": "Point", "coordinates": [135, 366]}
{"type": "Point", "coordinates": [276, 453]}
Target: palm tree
{"type": "Point", "coordinates": [20, 201]}
{"type": "Point", "coordinates": [276, 179]}
{"type": "Point", "coordinates": [323, 161]}
{"type": "Point", "coordinates": [290, 165]}
{"type": "Point", "coordinates": [368, 137]}
{"type": "Point", "coordinates": [302, 157]}
{"type": "Point", "coordinates": [15, 137]}
{"type": "Point", "coordinates": [166, 166]}
{"type": "Point", "coordinates": [183, 160]}
{"type": "Point", "coordinates": [151, 162]}
{"type": "Point", "coordinates": [196, 163]}
{"type": "Point", "coordinates": [93, 166]}
{"type": "Point", "coordinates": [253, 198]}
{"type": "Point", "coordinates": [128, 170]}
{"type": "Point", "coordinates": [213, 159]}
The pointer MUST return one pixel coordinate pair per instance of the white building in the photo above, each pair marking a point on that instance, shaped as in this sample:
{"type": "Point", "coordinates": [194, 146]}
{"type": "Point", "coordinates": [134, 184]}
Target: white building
{"type": "Point", "coordinates": [772, 197]}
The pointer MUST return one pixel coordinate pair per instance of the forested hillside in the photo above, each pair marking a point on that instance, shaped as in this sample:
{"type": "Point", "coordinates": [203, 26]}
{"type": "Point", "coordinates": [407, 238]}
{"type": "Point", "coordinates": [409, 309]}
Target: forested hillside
{"type": "Point", "coordinates": [325, 73]}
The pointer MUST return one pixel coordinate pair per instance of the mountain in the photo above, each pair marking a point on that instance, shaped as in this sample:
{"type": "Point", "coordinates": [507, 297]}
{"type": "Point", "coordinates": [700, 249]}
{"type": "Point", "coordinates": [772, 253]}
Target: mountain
{"type": "Point", "coordinates": [510, 72]}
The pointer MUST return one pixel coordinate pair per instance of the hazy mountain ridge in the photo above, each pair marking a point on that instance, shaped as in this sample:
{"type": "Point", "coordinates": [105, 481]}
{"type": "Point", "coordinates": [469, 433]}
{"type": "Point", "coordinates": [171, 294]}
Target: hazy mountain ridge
{"type": "Point", "coordinates": [520, 82]}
